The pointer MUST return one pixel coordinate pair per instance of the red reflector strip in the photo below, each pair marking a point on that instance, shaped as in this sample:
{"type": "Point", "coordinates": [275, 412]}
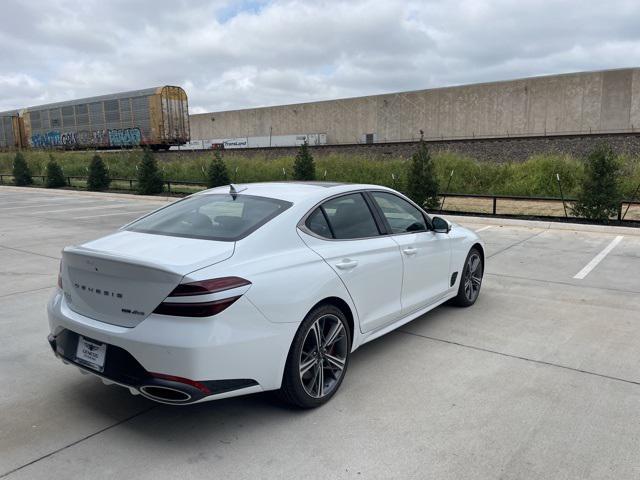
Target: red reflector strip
{"type": "Point", "coordinates": [200, 386]}
{"type": "Point", "coordinates": [201, 309]}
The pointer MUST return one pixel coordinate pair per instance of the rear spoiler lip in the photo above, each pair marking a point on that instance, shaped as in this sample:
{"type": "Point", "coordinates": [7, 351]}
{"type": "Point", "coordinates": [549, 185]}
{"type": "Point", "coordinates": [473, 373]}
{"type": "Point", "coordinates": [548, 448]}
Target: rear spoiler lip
{"type": "Point", "coordinates": [89, 252]}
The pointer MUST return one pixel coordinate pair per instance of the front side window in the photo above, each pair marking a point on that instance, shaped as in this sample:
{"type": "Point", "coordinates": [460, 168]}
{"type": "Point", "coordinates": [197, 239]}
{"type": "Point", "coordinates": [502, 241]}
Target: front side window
{"type": "Point", "coordinates": [349, 217]}
{"type": "Point", "coordinates": [212, 217]}
{"type": "Point", "coordinates": [401, 216]}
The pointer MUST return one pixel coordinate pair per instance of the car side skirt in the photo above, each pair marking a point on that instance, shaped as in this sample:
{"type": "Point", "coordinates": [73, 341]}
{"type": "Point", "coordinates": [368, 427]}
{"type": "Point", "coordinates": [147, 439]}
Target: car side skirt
{"type": "Point", "coordinates": [404, 320]}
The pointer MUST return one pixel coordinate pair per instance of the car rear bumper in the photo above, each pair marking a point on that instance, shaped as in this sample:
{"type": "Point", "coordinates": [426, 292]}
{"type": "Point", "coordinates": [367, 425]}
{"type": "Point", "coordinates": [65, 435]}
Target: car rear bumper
{"type": "Point", "coordinates": [124, 370]}
{"type": "Point", "coordinates": [235, 352]}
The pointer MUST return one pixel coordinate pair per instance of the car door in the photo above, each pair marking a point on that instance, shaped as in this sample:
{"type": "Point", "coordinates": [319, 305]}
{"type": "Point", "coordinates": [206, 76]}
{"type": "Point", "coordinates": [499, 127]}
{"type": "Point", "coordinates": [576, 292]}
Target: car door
{"type": "Point", "coordinates": [345, 234]}
{"type": "Point", "coordinates": [425, 254]}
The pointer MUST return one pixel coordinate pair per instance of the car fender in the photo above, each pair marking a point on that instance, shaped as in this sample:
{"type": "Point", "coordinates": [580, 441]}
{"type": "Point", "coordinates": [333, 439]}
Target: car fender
{"type": "Point", "coordinates": [462, 239]}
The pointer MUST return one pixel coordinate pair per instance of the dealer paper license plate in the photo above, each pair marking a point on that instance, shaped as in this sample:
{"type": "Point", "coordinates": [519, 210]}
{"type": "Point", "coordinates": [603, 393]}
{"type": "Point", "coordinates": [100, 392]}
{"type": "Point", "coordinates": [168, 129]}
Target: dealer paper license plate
{"type": "Point", "coordinates": [91, 354]}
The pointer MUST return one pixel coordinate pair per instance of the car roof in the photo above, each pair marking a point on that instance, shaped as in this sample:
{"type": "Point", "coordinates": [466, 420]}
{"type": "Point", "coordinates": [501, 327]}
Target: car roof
{"type": "Point", "coordinates": [294, 191]}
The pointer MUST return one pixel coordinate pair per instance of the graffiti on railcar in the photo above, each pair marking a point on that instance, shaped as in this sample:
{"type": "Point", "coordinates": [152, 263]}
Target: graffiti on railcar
{"type": "Point", "coordinates": [49, 139]}
{"type": "Point", "coordinates": [118, 137]}
{"type": "Point", "coordinates": [125, 137]}
{"type": "Point", "coordinates": [68, 139]}
{"type": "Point", "coordinates": [99, 137]}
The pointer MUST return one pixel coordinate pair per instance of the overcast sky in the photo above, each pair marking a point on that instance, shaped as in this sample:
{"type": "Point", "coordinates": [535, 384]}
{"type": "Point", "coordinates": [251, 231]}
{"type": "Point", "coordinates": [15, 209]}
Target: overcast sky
{"type": "Point", "coordinates": [241, 54]}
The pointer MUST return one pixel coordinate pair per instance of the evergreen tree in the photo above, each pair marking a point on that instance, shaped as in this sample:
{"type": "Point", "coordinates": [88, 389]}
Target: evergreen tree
{"type": "Point", "coordinates": [21, 172]}
{"type": "Point", "coordinates": [304, 168]}
{"type": "Point", "coordinates": [599, 195]}
{"type": "Point", "coordinates": [422, 182]}
{"type": "Point", "coordinates": [217, 174]}
{"type": "Point", "coordinates": [55, 177]}
{"type": "Point", "coordinates": [98, 175]}
{"type": "Point", "coordinates": [149, 178]}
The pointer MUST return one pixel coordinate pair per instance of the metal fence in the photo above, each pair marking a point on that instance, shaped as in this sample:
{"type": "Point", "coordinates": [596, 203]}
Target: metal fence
{"type": "Point", "coordinates": [507, 205]}
{"type": "Point", "coordinates": [451, 203]}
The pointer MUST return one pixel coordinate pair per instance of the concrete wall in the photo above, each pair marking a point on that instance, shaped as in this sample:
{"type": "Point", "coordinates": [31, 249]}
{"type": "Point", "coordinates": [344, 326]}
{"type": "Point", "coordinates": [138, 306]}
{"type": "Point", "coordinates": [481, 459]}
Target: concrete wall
{"type": "Point", "coordinates": [577, 103]}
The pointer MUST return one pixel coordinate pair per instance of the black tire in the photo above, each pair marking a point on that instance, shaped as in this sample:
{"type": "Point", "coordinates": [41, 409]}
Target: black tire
{"type": "Point", "coordinates": [295, 389]}
{"type": "Point", "coordinates": [474, 276]}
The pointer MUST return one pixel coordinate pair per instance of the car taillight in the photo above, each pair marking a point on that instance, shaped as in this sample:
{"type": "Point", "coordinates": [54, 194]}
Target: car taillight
{"type": "Point", "coordinates": [205, 287]}
{"type": "Point", "coordinates": [181, 303]}
{"type": "Point", "coordinates": [201, 309]}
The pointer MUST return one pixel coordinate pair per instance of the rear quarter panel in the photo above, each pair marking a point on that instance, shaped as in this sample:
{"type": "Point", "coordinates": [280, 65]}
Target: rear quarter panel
{"type": "Point", "coordinates": [288, 278]}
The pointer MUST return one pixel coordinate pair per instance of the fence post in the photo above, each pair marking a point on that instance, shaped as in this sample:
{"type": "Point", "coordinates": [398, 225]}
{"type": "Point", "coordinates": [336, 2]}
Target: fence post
{"type": "Point", "coordinates": [1, 179]}
{"type": "Point", "coordinates": [564, 206]}
{"type": "Point", "coordinates": [130, 184]}
{"type": "Point", "coordinates": [620, 212]}
{"type": "Point", "coordinates": [495, 199]}
{"type": "Point", "coordinates": [169, 186]}
{"type": "Point", "coordinates": [633, 197]}
{"type": "Point", "coordinates": [69, 181]}
{"type": "Point", "coordinates": [445, 196]}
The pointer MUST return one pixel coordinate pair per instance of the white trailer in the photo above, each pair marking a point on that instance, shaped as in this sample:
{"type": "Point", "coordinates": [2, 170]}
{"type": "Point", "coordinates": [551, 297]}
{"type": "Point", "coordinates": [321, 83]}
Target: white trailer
{"type": "Point", "coordinates": [263, 141]}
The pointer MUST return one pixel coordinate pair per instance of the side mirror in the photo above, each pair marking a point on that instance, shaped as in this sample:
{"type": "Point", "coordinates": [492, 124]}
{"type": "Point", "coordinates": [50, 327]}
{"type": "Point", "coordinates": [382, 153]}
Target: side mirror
{"type": "Point", "coordinates": [440, 225]}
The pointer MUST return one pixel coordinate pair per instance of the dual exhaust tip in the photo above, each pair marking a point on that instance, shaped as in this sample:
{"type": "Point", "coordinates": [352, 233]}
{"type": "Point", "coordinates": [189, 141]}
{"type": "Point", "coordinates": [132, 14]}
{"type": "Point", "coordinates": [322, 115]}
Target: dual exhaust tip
{"type": "Point", "coordinates": [165, 394]}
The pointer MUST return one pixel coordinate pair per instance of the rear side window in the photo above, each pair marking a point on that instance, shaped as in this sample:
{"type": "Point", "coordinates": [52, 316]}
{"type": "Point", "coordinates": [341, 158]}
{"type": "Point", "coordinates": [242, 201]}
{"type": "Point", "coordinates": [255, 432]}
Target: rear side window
{"type": "Point", "coordinates": [349, 217]}
{"type": "Point", "coordinates": [212, 217]}
{"type": "Point", "coordinates": [401, 216]}
{"type": "Point", "coordinates": [317, 223]}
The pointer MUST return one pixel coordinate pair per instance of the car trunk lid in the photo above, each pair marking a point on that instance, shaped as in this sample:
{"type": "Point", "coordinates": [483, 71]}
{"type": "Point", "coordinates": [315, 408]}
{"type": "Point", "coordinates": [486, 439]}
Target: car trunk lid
{"type": "Point", "coordinates": [120, 279]}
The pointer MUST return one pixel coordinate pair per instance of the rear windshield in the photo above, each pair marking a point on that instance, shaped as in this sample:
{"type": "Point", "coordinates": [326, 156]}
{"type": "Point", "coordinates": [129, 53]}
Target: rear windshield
{"type": "Point", "coordinates": [212, 217]}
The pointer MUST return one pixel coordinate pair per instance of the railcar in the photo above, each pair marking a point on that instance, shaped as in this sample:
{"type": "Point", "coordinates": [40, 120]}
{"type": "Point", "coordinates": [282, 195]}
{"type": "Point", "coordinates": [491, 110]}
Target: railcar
{"type": "Point", "coordinates": [155, 117]}
{"type": "Point", "coordinates": [10, 130]}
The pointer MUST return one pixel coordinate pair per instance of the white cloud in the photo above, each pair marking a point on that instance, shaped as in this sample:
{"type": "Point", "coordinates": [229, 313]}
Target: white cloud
{"type": "Point", "coordinates": [230, 54]}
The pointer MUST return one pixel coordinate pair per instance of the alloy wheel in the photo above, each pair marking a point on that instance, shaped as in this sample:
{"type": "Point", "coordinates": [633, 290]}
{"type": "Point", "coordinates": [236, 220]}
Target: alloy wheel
{"type": "Point", "coordinates": [323, 356]}
{"type": "Point", "coordinates": [472, 277]}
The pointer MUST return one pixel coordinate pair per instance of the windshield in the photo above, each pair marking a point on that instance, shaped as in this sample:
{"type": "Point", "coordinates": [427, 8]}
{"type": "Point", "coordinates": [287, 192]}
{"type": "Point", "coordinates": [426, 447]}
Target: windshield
{"type": "Point", "coordinates": [212, 217]}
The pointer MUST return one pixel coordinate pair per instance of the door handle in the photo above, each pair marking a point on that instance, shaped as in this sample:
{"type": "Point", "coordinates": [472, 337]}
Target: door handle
{"type": "Point", "coordinates": [346, 264]}
{"type": "Point", "coordinates": [410, 251]}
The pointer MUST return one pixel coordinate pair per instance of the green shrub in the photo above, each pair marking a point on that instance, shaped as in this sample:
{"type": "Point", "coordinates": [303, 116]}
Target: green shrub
{"type": "Point", "coordinates": [55, 177]}
{"type": "Point", "coordinates": [535, 176]}
{"type": "Point", "coordinates": [422, 181]}
{"type": "Point", "coordinates": [629, 176]}
{"type": "Point", "coordinates": [304, 167]}
{"type": "Point", "coordinates": [149, 177]}
{"type": "Point", "coordinates": [98, 179]}
{"type": "Point", "coordinates": [217, 174]}
{"type": "Point", "coordinates": [21, 171]}
{"type": "Point", "coordinates": [599, 195]}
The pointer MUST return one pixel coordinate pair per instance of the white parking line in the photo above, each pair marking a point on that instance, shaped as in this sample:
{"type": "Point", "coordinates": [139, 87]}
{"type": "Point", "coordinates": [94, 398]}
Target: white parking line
{"type": "Point", "coordinates": [484, 228]}
{"type": "Point", "coordinates": [140, 212]}
{"type": "Point", "coordinates": [2, 209]}
{"type": "Point", "coordinates": [119, 205]}
{"type": "Point", "coordinates": [598, 258]}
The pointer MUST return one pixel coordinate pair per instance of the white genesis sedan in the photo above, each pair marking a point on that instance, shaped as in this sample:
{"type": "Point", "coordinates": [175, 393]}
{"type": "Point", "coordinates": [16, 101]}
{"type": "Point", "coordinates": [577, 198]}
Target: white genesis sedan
{"type": "Point", "coordinates": [267, 286]}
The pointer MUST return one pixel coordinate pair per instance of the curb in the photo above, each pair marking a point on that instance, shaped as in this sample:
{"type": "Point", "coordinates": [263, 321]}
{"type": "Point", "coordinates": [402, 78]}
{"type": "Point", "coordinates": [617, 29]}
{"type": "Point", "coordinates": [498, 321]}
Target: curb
{"type": "Point", "coordinates": [545, 225]}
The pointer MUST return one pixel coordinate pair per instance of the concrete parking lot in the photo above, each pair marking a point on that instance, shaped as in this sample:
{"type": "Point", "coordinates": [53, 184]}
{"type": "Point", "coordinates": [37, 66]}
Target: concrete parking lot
{"type": "Point", "coordinates": [540, 379]}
